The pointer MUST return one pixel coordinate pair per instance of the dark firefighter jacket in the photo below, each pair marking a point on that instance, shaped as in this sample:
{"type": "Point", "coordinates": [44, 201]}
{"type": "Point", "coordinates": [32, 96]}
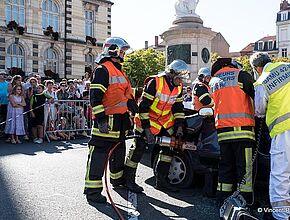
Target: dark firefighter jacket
{"type": "Point", "coordinates": [119, 123]}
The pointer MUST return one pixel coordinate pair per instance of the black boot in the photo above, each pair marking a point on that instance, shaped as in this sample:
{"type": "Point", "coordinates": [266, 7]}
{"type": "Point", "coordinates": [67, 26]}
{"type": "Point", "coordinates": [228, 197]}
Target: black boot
{"type": "Point", "coordinates": [118, 183]}
{"type": "Point", "coordinates": [162, 184]}
{"type": "Point", "coordinates": [96, 198]}
{"type": "Point", "coordinates": [130, 184]}
{"type": "Point", "coordinates": [134, 187]}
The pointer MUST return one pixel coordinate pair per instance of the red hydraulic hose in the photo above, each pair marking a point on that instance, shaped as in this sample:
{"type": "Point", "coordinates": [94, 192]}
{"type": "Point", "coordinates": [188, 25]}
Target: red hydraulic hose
{"type": "Point", "coordinates": [106, 182]}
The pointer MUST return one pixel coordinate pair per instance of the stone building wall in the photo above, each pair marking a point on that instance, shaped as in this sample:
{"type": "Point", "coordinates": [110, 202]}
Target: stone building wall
{"type": "Point", "coordinates": [35, 44]}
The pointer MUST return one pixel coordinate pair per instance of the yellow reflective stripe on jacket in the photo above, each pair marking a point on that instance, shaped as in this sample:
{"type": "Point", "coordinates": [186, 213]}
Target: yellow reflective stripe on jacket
{"type": "Point", "coordinates": [225, 187]}
{"type": "Point", "coordinates": [155, 125]}
{"type": "Point", "coordinates": [169, 121]}
{"type": "Point", "coordinates": [130, 163]}
{"type": "Point", "coordinates": [180, 99]}
{"type": "Point", "coordinates": [139, 129]}
{"type": "Point", "coordinates": [165, 158]}
{"type": "Point", "coordinates": [98, 86]}
{"type": "Point", "coordinates": [116, 175]}
{"type": "Point", "coordinates": [236, 135]}
{"type": "Point", "coordinates": [144, 116]}
{"type": "Point", "coordinates": [111, 134]}
{"type": "Point", "coordinates": [179, 115]}
{"type": "Point", "coordinates": [279, 120]}
{"type": "Point", "coordinates": [153, 107]}
{"type": "Point", "coordinates": [98, 109]}
{"type": "Point", "coordinates": [202, 96]}
{"type": "Point", "coordinates": [93, 184]}
{"type": "Point", "coordinates": [147, 96]}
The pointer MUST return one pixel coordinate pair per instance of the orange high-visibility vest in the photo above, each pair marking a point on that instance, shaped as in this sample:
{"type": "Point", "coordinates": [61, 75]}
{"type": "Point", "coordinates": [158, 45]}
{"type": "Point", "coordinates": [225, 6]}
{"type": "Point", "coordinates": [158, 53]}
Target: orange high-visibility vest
{"type": "Point", "coordinates": [197, 104]}
{"type": "Point", "coordinates": [232, 106]}
{"type": "Point", "coordinates": [160, 114]}
{"type": "Point", "coordinates": [118, 92]}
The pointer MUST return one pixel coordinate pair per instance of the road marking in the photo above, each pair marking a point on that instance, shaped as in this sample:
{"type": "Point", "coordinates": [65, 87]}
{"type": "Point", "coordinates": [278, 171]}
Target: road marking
{"type": "Point", "coordinates": [132, 206]}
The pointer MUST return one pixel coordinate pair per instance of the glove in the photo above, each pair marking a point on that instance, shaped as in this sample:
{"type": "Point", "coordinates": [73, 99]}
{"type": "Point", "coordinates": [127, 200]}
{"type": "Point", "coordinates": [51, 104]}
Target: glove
{"type": "Point", "coordinates": [179, 132]}
{"type": "Point", "coordinates": [103, 126]}
{"type": "Point", "coordinates": [149, 137]}
{"type": "Point", "coordinates": [132, 106]}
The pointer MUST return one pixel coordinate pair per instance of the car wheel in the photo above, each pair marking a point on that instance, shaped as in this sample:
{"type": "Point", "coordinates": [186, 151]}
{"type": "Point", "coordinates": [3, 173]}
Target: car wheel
{"type": "Point", "coordinates": [181, 172]}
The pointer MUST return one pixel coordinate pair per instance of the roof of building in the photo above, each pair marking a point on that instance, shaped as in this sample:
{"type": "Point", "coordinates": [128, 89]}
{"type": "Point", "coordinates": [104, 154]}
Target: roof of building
{"type": "Point", "coordinates": [235, 54]}
{"type": "Point", "coordinates": [267, 38]}
{"type": "Point", "coordinates": [219, 34]}
{"type": "Point", "coordinates": [249, 48]}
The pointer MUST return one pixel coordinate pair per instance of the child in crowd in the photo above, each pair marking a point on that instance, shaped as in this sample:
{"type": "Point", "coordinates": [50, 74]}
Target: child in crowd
{"type": "Point", "coordinates": [62, 127]}
{"type": "Point", "coordinates": [37, 114]}
{"type": "Point", "coordinates": [15, 123]}
{"type": "Point", "coordinates": [50, 109]}
{"type": "Point", "coordinates": [87, 109]}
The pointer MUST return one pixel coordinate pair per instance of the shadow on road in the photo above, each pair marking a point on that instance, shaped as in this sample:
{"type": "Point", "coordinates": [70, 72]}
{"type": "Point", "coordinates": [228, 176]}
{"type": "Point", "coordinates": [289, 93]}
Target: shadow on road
{"type": "Point", "coordinates": [108, 210]}
{"type": "Point", "coordinates": [8, 208]}
{"type": "Point", "coordinates": [29, 148]}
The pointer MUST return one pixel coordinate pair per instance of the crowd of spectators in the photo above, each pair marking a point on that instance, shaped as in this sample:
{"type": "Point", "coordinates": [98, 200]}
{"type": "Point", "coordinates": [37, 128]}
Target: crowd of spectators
{"type": "Point", "coordinates": [31, 107]}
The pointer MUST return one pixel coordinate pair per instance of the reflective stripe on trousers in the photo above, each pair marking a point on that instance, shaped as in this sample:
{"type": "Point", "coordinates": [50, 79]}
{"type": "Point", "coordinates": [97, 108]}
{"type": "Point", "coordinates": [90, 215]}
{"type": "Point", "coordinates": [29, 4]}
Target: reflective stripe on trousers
{"type": "Point", "coordinates": [225, 187]}
{"type": "Point", "coordinates": [91, 183]}
{"type": "Point", "coordinates": [165, 158]}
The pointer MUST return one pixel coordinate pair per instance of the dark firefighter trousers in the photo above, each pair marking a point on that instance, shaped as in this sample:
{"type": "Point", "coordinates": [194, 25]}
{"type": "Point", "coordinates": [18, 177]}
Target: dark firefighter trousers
{"type": "Point", "coordinates": [236, 160]}
{"type": "Point", "coordinates": [97, 157]}
{"type": "Point", "coordinates": [136, 152]}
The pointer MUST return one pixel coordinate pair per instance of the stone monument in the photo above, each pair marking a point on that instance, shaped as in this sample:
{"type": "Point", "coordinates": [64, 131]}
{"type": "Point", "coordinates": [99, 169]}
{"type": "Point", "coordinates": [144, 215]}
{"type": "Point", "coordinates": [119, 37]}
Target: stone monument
{"type": "Point", "coordinates": [186, 8]}
{"type": "Point", "coordinates": [187, 38]}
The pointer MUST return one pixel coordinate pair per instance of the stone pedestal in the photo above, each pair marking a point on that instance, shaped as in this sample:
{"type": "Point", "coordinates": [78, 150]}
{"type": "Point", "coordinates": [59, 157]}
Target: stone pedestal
{"type": "Point", "coordinates": [190, 41]}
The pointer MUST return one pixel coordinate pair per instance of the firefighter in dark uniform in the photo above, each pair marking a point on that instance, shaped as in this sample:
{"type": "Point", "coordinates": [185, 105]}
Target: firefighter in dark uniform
{"type": "Point", "coordinates": [111, 97]}
{"type": "Point", "coordinates": [201, 90]}
{"type": "Point", "coordinates": [233, 94]}
{"type": "Point", "coordinates": [202, 98]}
{"type": "Point", "coordinates": [161, 113]}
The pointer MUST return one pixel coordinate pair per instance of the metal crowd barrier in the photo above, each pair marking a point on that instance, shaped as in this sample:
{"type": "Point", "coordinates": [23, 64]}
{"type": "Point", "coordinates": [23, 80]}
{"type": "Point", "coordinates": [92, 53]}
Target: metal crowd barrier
{"type": "Point", "coordinates": [64, 119]}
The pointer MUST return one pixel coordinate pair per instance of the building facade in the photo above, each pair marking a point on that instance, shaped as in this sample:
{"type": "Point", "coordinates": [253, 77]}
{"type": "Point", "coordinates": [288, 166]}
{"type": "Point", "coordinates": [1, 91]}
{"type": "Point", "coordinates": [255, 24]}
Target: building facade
{"type": "Point", "coordinates": [58, 38]}
{"type": "Point", "coordinates": [220, 45]}
{"type": "Point", "coordinates": [266, 44]}
{"type": "Point", "coordinates": [283, 29]}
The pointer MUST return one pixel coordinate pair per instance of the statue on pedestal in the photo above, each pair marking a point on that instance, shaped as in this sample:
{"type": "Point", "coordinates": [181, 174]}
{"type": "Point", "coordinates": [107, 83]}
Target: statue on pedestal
{"type": "Point", "coordinates": [186, 8]}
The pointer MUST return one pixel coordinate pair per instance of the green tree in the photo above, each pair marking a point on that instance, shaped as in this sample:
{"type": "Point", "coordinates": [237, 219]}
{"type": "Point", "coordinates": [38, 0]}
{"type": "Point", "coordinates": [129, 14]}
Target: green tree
{"type": "Point", "coordinates": [143, 63]}
{"type": "Point", "coordinates": [214, 56]}
{"type": "Point", "coordinates": [281, 59]}
{"type": "Point", "coordinates": [245, 61]}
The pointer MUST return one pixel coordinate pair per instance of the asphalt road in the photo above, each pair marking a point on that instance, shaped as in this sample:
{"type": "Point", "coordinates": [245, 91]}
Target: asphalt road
{"type": "Point", "coordinates": [46, 182]}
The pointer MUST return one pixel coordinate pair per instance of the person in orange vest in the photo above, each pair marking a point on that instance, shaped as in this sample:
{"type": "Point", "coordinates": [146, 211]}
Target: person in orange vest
{"type": "Point", "coordinates": [111, 99]}
{"type": "Point", "coordinates": [161, 113]}
{"type": "Point", "coordinates": [201, 90]}
{"type": "Point", "coordinates": [202, 98]}
{"type": "Point", "coordinates": [233, 94]}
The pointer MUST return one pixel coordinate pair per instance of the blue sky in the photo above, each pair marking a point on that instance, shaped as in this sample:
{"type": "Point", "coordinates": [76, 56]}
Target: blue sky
{"type": "Point", "coordinates": [240, 21]}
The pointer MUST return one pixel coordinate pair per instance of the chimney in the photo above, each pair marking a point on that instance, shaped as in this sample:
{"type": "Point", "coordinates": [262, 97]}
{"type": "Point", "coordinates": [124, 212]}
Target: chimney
{"type": "Point", "coordinates": [146, 44]}
{"type": "Point", "coordinates": [284, 5]}
{"type": "Point", "coordinates": [156, 41]}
